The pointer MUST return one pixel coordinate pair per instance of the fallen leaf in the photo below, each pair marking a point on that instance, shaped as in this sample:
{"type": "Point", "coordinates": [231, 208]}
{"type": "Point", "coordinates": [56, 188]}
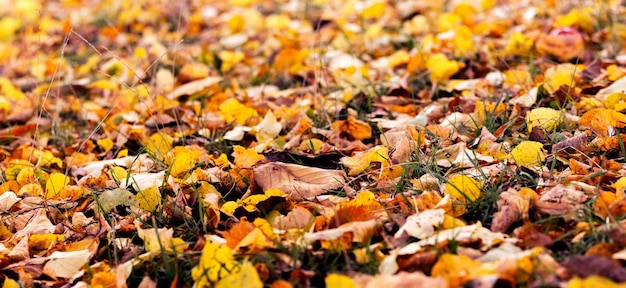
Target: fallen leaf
{"type": "Point", "coordinates": [194, 86]}
{"type": "Point", "coordinates": [464, 188]}
{"type": "Point", "coordinates": [423, 224]}
{"type": "Point", "coordinates": [56, 182]}
{"type": "Point", "coordinates": [528, 153]}
{"type": "Point", "coordinates": [353, 127]}
{"type": "Point", "coordinates": [546, 118]}
{"type": "Point", "coordinates": [65, 264]}
{"type": "Point", "coordinates": [300, 182]}
{"type": "Point", "coordinates": [599, 120]}
{"type": "Point", "coordinates": [586, 266]}
{"type": "Point", "coordinates": [246, 277]}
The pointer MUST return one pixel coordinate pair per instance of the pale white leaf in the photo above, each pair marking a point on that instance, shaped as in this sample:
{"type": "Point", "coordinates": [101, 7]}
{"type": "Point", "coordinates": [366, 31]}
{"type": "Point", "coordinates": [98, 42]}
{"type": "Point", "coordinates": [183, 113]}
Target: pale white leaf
{"type": "Point", "coordinates": [65, 264]}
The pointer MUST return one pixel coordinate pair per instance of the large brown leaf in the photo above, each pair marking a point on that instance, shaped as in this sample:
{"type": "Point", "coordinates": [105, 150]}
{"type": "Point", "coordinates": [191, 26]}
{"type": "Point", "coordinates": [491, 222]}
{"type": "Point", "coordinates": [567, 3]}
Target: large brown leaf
{"type": "Point", "coordinates": [299, 181]}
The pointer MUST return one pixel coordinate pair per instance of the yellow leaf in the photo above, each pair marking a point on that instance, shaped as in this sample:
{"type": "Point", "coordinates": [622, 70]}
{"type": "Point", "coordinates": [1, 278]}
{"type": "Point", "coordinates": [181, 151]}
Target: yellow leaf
{"type": "Point", "coordinates": [233, 111]}
{"type": "Point", "coordinates": [246, 277]}
{"type": "Point", "coordinates": [362, 160]}
{"type": "Point", "coordinates": [8, 27]}
{"type": "Point", "coordinates": [448, 21]}
{"type": "Point", "coordinates": [464, 188]}
{"type": "Point", "coordinates": [563, 74]}
{"type": "Point", "coordinates": [10, 283]}
{"type": "Point", "coordinates": [46, 159]}
{"type": "Point", "coordinates": [614, 72]}
{"type": "Point", "coordinates": [274, 192]}
{"type": "Point", "coordinates": [398, 58]}
{"type": "Point", "coordinates": [277, 21]}
{"type": "Point", "coordinates": [242, 2]}
{"type": "Point", "coordinates": [546, 118]}
{"type": "Point", "coordinates": [236, 23]}
{"type": "Point", "coordinates": [229, 59]}
{"type": "Point", "coordinates": [615, 101]}
{"type": "Point", "coordinates": [519, 44]}
{"type": "Point", "coordinates": [450, 222]}
{"type": "Point", "coordinates": [463, 41]}
{"type": "Point", "coordinates": [216, 262]}
{"type": "Point", "coordinates": [44, 241]}
{"type": "Point", "coordinates": [182, 160]}
{"type": "Point", "coordinates": [268, 129]}
{"type": "Point", "coordinates": [159, 144]}
{"type": "Point", "coordinates": [528, 153]}
{"type": "Point", "coordinates": [105, 144]}
{"type": "Point", "coordinates": [229, 207]}
{"type": "Point", "coordinates": [221, 161]}
{"type": "Point", "coordinates": [373, 11]}
{"type": "Point", "coordinates": [26, 176]}
{"type": "Point", "coordinates": [314, 145]}
{"type": "Point", "coordinates": [117, 173]}
{"type": "Point", "coordinates": [246, 158]}
{"type": "Point", "coordinates": [150, 198]}
{"type": "Point", "coordinates": [339, 281]}
{"type": "Point", "coordinates": [456, 269]}
{"type": "Point", "coordinates": [517, 77]}
{"type": "Point", "coordinates": [620, 183]}
{"type": "Point", "coordinates": [365, 198]}
{"type": "Point", "coordinates": [161, 239]}
{"type": "Point", "coordinates": [582, 17]}
{"type": "Point", "coordinates": [56, 182]}
{"type": "Point", "coordinates": [587, 103]}
{"type": "Point", "coordinates": [441, 69]}
{"type": "Point", "coordinates": [24, 9]}
{"type": "Point", "coordinates": [592, 282]}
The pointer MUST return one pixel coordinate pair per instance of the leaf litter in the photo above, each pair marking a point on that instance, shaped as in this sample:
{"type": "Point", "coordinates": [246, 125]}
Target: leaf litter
{"type": "Point", "coordinates": [340, 144]}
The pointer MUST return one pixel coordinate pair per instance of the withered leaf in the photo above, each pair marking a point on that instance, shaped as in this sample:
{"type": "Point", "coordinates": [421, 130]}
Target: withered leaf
{"type": "Point", "coordinates": [300, 182]}
{"type": "Point", "coordinates": [195, 86]}
{"type": "Point", "coordinates": [585, 266]}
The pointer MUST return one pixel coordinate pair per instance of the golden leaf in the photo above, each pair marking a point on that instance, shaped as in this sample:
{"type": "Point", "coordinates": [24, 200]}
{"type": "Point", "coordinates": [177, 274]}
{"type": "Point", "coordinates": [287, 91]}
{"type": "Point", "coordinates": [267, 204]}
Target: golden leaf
{"type": "Point", "coordinates": [464, 188]}
{"type": "Point", "coordinates": [245, 277]}
{"type": "Point", "coordinates": [457, 269]}
{"type": "Point", "coordinates": [528, 153]}
{"type": "Point", "coordinates": [56, 182]}
{"type": "Point", "coordinates": [353, 127]}
{"type": "Point", "coordinates": [246, 158]}
{"type": "Point", "coordinates": [149, 199]}
{"type": "Point", "coordinates": [362, 160]}
{"type": "Point", "coordinates": [216, 262]}
{"type": "Point", "coordinates": [441, 69]}
{"type": "Point", "coordinates": [546, 118]}
{"type": "Point", "coordinates": [600, 119]}
{"type": "Point", "coordinates": [339, 281]}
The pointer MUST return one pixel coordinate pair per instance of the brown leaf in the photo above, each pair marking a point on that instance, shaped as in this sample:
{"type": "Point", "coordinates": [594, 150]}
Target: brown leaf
{"type": "Point", "coordinates": [297, 218]}
{"type": "Point", "coordinates": [403, 140]}
{"type": "Point", "coordinates": [194, 86]}
{"type": "Point", "coordinates": [585, 266]}
{"type": "Point", "coordinates": [512, 205]}
{"type": "Point", "coordinates": [299, 181]}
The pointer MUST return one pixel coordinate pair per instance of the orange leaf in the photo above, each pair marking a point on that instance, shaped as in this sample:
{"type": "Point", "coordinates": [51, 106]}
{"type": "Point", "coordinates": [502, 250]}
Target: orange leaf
{"type": "Point", "coordinates": [599, 120]}
{"type": "Point", "coordinates": [246, 158]}
{"type": "Point", "coordinates": [354, 128]}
